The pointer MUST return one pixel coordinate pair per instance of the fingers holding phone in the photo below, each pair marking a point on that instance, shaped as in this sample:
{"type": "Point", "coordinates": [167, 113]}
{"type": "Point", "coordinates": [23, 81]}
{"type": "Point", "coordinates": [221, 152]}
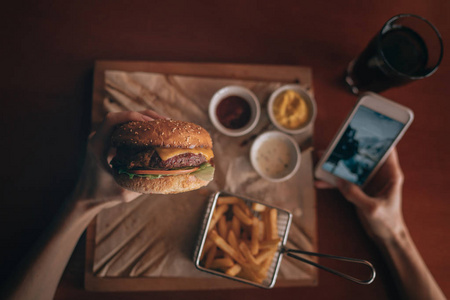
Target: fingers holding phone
{"type": "Point", "coordinates": [364, 141]}
{"type": "Point", "coordinates": [379, 204]}
{"type": "Point", "coordinates": [363, 164]}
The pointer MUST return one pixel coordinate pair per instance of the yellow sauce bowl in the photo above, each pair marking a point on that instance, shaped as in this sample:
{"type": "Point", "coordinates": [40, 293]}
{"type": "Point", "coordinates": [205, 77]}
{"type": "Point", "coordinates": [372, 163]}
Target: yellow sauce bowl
{"type": "Point", "coordinates": [291, 109]}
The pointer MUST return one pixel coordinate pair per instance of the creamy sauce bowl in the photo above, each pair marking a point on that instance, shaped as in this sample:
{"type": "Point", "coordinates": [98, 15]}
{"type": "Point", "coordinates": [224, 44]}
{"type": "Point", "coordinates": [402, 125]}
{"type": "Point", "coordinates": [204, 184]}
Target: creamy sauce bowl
{"type": "Point", "coordinates": [275, 156]}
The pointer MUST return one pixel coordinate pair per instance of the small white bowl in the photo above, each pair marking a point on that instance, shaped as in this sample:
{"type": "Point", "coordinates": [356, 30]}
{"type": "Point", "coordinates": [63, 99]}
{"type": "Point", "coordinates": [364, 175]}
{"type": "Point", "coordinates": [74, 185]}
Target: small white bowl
{"type": "Point", "coordinates": [310, 102]}
{"type": "Point", "coordinates": [273, 146]}
{"type": "Point", "coordinates": [243, 93]}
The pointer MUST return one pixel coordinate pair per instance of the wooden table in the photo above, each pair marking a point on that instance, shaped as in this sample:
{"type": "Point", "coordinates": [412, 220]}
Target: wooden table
{"type": "Point", "coordinates": [47, 56]}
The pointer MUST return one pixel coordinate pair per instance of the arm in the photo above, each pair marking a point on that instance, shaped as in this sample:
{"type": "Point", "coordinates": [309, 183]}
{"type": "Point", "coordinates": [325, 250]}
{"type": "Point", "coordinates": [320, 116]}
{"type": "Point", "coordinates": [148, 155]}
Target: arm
{"type": "Point", "coordinates": [379, 209]}
{"type": "Point", "coordinates": [414, 278]}
{"type": "Point", "coordinates": [40, 276]}
{"type": "Point", "coordinates": [96, 190]}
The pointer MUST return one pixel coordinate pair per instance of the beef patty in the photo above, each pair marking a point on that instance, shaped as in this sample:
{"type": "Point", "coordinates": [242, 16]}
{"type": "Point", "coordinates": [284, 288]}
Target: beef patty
{"type": "Point", "coordinates": [149, 159]}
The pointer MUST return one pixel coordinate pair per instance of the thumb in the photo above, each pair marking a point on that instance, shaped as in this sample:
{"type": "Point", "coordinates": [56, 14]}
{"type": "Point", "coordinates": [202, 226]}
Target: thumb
{"type": "Point", "coordinates": [355, 195]}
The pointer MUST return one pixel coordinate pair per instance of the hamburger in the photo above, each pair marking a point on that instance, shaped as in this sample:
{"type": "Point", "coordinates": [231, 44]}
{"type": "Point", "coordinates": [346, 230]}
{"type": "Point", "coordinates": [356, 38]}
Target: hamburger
{"type": "Point", "coordinates": [162, 156]}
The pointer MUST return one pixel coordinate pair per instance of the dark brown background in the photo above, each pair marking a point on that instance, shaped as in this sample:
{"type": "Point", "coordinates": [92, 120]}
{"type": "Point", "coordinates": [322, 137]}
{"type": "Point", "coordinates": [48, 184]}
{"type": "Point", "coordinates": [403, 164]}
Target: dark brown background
{"type": "Point", "coordinates": [47, 55]}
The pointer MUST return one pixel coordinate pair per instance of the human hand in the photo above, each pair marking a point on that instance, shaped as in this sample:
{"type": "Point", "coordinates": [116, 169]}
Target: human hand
{"type": "Point", "coordinates": [379, 205]}
{"type": "Point", "coordinates": [96, 185]}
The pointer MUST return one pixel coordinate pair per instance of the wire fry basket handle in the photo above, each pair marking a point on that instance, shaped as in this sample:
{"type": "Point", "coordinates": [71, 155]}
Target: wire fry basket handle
{"type": "Point", "coordinates": [290, 252]}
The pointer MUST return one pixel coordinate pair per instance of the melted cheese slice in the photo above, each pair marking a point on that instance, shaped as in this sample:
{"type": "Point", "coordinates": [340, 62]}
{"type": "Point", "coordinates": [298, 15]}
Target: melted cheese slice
{"type": "Point", "coordinates": [166, 153]}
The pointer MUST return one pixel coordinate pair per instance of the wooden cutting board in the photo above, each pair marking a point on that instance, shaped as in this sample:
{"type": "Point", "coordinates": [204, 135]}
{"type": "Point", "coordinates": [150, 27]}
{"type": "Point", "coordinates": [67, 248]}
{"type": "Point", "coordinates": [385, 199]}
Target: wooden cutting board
{"type": "Point", "coordinates": [288, 74]}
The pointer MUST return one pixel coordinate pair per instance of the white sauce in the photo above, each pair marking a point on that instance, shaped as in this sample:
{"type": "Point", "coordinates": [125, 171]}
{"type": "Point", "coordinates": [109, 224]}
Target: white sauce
{"type": "Point", "coordinates": [274, 157]}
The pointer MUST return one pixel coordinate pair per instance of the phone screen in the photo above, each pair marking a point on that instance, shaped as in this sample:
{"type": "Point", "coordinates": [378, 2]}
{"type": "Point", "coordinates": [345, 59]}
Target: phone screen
{"type": "Point", "coordinates": [365, 141]}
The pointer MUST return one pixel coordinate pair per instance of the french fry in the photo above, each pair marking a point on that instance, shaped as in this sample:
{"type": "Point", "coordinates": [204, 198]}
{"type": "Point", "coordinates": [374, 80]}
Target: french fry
{"type": "Point", "coordinates": [222, 263]}
{"type": "Point", "coordinates": [261, 274]}
{"type": "Point", "coordinates": [216, 216]}
{"type": "Point", "coordinates": [208, 244]}
{"type": "Point", "coordinates": [223, 231]}
{"type": "Point", "coordinates": [267, 227]}
{"type": "Point", "coordinates": [265, 254]}
{"type": "Point", "coordinates": [231, 239]}
{"type": "Point", "coordinates": [236, 226]}
{"type": "Point", "coordinates": [247, 254]}
{"type": "Point", "coordinates": [245, 209]}
{"type": "Point", "coordinates": [241, 215]}
{"type": "Point", "coordinates": [261, 233]}
{"type": "Point", "coordinates": [234, 270]}
{"type": "Point", "coordinates": [249, 274]}
{"type": "Point", "coordinates": [227, 200]}
{"type": "Point", "coordinates": [258, 207]}
{"type": "Point", "coordinates": [225, 255]}
{"type": "Point", "coordinates": [247, 231]}
{"type": "Point", "coordinates": [269, 244]}
{"type": "Point", "coordinates": [222, 227]}
{"type": "Point", "coordinates": [210, 256]}
{"type": "Point", "coordinates": [265, 265]}
{"type": "Point", "coordinates": [273, 223]}
{"type": "Point", "coordinates": [254, 246]}
{"type": "Point", "coordinates": [222, 244]}
{"type": "Point", "coordinates": [247, 242]}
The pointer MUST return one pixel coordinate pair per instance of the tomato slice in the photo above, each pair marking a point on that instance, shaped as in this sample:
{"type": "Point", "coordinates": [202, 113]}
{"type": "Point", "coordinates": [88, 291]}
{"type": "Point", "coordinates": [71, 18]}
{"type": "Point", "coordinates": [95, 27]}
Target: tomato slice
{"type": "Point", "coordinates": [162, 172]}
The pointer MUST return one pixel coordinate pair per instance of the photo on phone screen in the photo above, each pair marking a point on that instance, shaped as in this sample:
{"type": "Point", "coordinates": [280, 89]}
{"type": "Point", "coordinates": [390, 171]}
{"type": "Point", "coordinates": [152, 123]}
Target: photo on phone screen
{"type": "Point", "coordinates": [365, 141]}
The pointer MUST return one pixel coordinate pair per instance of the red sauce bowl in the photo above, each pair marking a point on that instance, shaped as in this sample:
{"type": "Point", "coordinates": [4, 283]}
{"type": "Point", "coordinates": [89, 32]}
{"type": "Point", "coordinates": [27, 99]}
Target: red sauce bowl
{"type": "Point", "coordinates": [234, 110]}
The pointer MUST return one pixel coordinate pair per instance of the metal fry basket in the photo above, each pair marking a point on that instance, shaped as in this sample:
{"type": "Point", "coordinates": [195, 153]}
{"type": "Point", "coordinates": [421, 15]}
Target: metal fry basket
{"type": "Point", "coordinates": [284, 219]}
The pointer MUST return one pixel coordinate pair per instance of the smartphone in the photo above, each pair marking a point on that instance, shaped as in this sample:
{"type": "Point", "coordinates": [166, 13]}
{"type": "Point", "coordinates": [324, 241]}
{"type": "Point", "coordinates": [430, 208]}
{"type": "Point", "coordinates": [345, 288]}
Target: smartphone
{"type": "Point", "coordinates": [364, 141]}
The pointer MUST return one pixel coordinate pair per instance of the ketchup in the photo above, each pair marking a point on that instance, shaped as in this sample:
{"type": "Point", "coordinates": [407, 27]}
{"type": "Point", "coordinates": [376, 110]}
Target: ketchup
{"type": "Point", "coordinates": [233, 112]}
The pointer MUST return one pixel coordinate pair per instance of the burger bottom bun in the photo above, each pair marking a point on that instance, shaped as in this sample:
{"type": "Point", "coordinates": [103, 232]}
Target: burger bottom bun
{"type": "Point", "coordinates": [164, 185]}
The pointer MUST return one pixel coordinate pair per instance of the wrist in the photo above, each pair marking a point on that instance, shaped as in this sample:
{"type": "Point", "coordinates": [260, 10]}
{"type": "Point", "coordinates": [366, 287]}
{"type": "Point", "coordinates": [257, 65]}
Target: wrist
{"type": "Point", "coordinates": [87, 208]}
{"type": "Point", "coordinates": [398, 236]}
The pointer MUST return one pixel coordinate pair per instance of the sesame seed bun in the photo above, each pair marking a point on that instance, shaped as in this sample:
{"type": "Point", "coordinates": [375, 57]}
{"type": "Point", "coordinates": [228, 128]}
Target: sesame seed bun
{"type": "Point", "coordinates": [161, 133]}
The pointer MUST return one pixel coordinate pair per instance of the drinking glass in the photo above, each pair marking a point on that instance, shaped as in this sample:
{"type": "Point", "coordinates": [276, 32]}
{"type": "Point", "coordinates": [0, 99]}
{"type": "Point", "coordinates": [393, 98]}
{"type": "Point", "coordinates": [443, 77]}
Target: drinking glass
{"type": "Point", "coordinates": [407, 48]}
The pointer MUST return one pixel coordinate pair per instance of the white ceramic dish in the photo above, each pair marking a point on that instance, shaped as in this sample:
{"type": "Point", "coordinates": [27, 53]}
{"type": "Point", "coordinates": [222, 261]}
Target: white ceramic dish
{"type": "Point", "coordinates": [273, 144]}
{"type": "Point", "coordinates": [240, 92]}
{"type": "Point", "coordinates": [310, 102]}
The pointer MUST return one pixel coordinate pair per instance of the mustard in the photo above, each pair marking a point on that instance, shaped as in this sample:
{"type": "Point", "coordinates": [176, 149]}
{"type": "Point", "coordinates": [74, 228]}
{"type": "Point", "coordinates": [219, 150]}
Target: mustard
{"type": "Point", "coordinates": [290, 110]}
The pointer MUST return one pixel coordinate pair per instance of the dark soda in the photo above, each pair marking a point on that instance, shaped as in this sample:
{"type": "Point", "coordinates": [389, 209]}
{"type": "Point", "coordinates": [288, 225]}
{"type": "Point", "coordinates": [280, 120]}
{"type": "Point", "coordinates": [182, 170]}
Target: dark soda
{"type": "Point", "coordinates": [393, 58]}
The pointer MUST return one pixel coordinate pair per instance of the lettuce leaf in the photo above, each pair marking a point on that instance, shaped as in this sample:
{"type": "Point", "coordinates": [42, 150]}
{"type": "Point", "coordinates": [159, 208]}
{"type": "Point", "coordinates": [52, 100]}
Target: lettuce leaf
{"type": "Point", "coordinates": [205, 172]}
{"type": "Point", "coordinates": [131, 175]}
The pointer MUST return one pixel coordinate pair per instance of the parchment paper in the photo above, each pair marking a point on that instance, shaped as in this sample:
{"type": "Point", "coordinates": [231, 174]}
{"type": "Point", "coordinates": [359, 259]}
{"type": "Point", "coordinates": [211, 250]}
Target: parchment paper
{"type": "Point", "coordinates": [155, 235]}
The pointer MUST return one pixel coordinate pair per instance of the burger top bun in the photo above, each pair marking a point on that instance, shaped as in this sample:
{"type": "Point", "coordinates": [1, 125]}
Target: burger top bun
{"type": "Point", "coordinates": [161, 133]}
